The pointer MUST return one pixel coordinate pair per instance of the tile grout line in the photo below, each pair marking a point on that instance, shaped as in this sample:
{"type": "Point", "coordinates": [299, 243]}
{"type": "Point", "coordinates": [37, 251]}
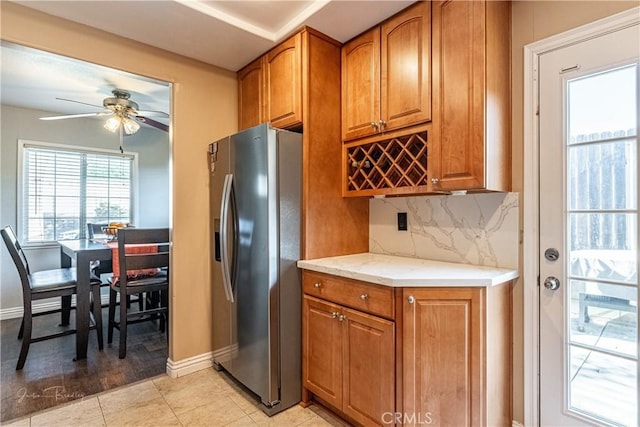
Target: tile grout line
{"type": "Point", "coordinates": [104, 419]}
{"type": "Point", "coordinates": [166, 402]}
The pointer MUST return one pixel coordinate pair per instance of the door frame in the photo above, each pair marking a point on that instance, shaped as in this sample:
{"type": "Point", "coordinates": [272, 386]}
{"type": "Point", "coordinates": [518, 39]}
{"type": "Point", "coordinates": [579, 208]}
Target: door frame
{"type": "Point", "coordinates": [530, 196]}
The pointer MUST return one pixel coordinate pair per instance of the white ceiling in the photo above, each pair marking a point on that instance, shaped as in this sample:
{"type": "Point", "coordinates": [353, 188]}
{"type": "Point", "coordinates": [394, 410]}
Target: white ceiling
{"type": "Point", "coordinates": [228, 34]}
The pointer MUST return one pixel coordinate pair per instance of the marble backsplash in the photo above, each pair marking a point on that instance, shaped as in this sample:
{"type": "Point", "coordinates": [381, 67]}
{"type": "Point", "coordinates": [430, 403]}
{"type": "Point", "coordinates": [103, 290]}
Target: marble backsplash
{"type": "Point", "coordinates": [479, 229]}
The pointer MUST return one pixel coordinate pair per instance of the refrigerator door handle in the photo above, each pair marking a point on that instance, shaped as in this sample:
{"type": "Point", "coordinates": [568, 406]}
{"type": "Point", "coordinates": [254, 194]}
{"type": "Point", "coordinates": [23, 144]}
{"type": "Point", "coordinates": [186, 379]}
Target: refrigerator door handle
{"type": "Point", "coordinates": [224, 236]}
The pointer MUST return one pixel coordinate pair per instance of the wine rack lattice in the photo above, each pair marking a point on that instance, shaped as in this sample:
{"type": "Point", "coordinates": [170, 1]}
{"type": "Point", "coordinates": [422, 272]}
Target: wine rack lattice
{"type": "Point", "coordinates": [393, 163]}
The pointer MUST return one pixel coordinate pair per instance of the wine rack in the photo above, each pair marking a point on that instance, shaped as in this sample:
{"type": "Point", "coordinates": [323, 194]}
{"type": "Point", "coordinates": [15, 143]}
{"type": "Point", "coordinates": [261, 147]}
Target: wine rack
{"type": "Point", "coordinates": [396, 165]}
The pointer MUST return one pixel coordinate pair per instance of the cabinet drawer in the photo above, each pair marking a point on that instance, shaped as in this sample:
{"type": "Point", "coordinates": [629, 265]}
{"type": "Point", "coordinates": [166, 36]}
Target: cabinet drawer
{"type": "Point", "coordinates": [367, 297]}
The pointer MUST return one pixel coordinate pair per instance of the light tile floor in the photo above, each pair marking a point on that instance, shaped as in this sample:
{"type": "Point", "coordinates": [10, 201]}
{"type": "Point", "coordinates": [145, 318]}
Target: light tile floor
{"type": "Point", "coordinates": [204, 398]}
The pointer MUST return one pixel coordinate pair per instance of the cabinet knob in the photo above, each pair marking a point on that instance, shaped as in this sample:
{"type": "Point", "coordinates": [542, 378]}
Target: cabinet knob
{"type": "Point", "coordinates": [342, 317]}
{"type": "Point", "coordinates": [364, 297]}
{"type": "Point", "coordinates": [382, 124]}
{"type": "Point", "coordinates": [411, 299]}
{"type": "Point", "coordinates": [435, 180]}
{"type": "Point", "coordinates": [335, 314]}
{"type": "Point", "coordinates": [317, 285]}
{"type": "Point", "coordinates": [374, 125]}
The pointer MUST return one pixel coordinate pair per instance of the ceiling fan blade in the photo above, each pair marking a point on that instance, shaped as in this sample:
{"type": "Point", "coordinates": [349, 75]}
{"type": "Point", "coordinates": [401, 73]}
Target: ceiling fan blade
{"type": "Point", "coordinates": [152, 113]}
{"type": "Point", "coordinates": [152, 123]}
{"type": "Point", "coordinates": [75, 116]}
{"type": "Point", "coordinates": [80, 102]}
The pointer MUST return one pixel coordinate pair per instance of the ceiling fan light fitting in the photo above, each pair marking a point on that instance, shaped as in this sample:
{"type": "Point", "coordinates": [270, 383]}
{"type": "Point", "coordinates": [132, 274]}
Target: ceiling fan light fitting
{"type": "Point", "coordinates": [112, 124]}
{"type": "Point", "coordinates": [130, 126]}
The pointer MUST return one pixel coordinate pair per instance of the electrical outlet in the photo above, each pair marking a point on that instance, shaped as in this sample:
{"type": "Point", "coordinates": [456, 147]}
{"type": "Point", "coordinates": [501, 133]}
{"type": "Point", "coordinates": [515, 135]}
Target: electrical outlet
{"type": "Point", "coordinates": [402, 221]}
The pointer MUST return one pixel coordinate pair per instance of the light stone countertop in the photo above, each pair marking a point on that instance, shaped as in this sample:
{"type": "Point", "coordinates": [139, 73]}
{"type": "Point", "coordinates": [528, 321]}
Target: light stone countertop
{"type": "Point", "coordinates": [398, 271]}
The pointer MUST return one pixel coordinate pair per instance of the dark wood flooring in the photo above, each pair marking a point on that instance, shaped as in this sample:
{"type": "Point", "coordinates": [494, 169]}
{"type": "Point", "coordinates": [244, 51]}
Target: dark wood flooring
{"type": "Point", "coordinates": [50, 377]}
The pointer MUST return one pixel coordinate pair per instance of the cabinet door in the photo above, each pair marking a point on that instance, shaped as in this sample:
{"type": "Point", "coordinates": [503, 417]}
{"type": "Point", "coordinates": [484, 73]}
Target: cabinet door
{"type": "Point", "coordinates": [361, 85]}
{"type": "Point", "coordinates": [250, 99]}
{"type": "Point", "coordinates": [405, 62]}
{"type": "Point", "coordinates": [322, 350]}
{"type": "Point", "coordinates": [442, 356]}
{"type": "Point", "coordinates": [283, 86]}
{"type": "Point", "coordinates": [459, 94]}
{"type": "Point", "coordinates": [369, 368]}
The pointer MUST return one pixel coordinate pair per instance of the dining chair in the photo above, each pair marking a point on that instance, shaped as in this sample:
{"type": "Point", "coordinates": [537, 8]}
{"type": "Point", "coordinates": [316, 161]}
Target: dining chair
{"type": "Point", "coordinates": [143, 265]}
{"type": "Point", "coordinates": [38, 285]}
{"type": "Point", "coordinates": [99, 268]}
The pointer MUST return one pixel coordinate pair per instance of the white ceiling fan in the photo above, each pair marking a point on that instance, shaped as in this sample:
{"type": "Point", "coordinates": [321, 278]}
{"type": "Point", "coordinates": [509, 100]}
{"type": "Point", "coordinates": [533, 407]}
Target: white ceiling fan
{"type": "Point", "coordinates": [123, 114]}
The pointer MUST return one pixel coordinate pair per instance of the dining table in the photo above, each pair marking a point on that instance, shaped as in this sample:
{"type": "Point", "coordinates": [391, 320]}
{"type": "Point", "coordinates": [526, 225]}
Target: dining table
{"type": "Point", "coordinates": [83, 251]}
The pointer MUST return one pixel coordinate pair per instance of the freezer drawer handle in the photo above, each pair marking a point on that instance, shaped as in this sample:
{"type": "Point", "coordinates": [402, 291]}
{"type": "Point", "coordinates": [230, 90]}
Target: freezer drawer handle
{"type": "Point", "coordinates": [224, 238]}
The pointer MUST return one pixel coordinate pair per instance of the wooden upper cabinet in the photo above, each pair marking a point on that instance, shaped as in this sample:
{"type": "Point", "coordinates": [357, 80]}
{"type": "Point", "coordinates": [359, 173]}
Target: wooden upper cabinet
{"type": "Point", "coordinates": [470, 147]}
{"type": "Point", "coordinates": [361, 85]}
{"type": "Point", "coordinates": [270, 88]}
{"type": "Point", "coordinates": [405, 68]}
{"type": "Point", "coordinates": [250, 99]}
{"type": "Point", "coordinates": [386, 75]}
{"type": "Point", "coordinates": [283, 85]}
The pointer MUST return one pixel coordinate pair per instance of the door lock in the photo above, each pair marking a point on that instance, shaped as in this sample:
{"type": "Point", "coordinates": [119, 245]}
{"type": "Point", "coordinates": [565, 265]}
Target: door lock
{"type": "Point", "coordinates": [552, 283]}
{"type": "Point", "coordinates": [551, 254]}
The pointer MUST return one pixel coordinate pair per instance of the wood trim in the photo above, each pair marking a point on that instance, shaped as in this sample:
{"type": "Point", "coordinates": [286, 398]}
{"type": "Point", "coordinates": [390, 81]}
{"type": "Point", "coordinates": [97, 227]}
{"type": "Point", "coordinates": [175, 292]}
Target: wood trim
{"type": "Point", "coordinates": [321, 36]}
{"type": "Point", "coordinates": [332, 225]}
{"type": "Point", "coordinates": [499, 355]}
{"type": "Point", "coordinates": [497, 99]}
{"type": "Point", "coordinates": [428, 127]}
{"type": "Point", "coordinates": [399, 318]}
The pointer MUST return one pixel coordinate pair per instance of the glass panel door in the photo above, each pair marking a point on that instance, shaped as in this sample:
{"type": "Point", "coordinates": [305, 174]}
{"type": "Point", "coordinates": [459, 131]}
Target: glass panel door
{"type": "Point", "coordinates": [588, 127]}
{"type": "Point", "coordinates": [602, 218]}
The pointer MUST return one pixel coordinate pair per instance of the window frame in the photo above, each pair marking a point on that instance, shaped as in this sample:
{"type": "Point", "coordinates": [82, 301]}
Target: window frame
{"type": "Point", "coordinates": [25, 143]}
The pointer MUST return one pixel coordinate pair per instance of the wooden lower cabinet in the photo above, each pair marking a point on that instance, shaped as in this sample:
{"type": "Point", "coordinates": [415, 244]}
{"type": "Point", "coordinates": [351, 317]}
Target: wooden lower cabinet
{"type": "Point", "coordinates": [457, 356]}
{"type": "Point", "coordinates": [322, 343]}
{"type": "Point", "coordinates": [349, 360]}
{"type": "Point", "coordinates": [449, 364]}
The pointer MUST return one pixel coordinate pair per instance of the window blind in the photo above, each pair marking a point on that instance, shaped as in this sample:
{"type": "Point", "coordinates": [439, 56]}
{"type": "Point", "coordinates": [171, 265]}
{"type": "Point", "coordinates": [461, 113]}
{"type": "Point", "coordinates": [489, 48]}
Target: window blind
{"type": "Point", "coordinates": [63, 190]}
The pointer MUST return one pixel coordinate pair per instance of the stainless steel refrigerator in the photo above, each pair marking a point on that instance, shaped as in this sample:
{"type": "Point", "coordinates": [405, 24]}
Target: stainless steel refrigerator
{"type": "Point", "coordinates": [255, 200]}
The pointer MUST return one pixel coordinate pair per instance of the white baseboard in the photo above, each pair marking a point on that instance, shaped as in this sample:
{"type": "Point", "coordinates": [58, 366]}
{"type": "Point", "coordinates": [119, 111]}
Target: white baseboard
{"type": "Point", "coordinates": [193, 364]}
{"type": "Point", "coordinates": [39, 307]}
{"type": "Point", "coordinates": [189, 365]}
{"type": "Point", "coordinates": [516, 424]}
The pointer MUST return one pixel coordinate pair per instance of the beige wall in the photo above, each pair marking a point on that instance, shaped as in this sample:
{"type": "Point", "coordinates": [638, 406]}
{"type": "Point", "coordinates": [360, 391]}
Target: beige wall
{"type": "Point", "coordinates": [533, 21]}
{"type": "Point", "coordinates": [204, 109]}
